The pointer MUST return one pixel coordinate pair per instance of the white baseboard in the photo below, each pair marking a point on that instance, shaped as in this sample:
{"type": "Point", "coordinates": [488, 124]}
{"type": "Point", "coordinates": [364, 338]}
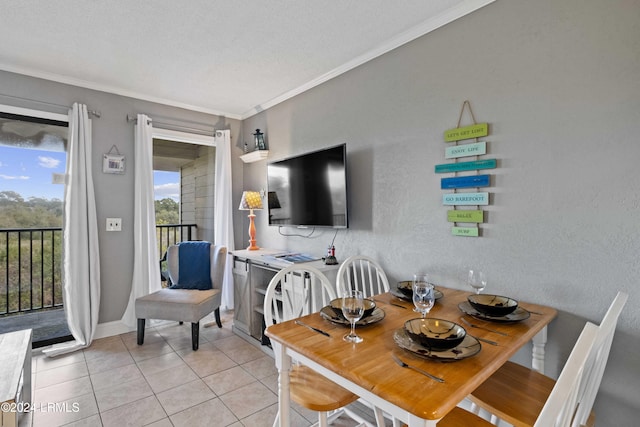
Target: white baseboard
{"type": "Point", "coordinates": [110, 329]}
{"type": "Point", "coordinates": [117, 327]}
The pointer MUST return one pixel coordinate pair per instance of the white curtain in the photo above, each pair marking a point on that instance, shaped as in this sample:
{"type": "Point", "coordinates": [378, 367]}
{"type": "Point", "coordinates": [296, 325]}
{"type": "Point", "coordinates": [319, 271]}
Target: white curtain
{"type": "Point", "coordinates": [146, 267]}
{"type": "Point", "coordinates": [81, 260]}
{"type": "Point", "coordinates": [223, 224]}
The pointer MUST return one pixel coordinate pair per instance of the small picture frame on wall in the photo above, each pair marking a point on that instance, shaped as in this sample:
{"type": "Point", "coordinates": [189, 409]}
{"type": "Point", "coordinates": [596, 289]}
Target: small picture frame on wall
{"type": "Point", "coordinates": [113, 164]}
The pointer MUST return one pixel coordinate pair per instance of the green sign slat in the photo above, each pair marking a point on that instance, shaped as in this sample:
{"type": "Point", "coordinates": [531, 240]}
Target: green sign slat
{"type": "Point", "coordinates": [467, 132]}
{"type": "Point", "coordinates": [465, 231]}
{"type": "Point", "coordinates": [473, 149]}
{"type": "Point", "coordinates": [465, 216]}
{"type": "Point", "coordinates": [465, 199]}
{"type": "Point", "coordinates": [466, 166]}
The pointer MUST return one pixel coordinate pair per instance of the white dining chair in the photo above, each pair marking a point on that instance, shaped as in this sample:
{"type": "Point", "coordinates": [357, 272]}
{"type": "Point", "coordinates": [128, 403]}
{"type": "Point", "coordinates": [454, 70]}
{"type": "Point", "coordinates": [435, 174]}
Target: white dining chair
{"type": "Point", "coordinates": [293, 292]}
{"type": "Point", "coordinates": [362, 273]}
{"type": "Point", "coordinates": [524, 397]}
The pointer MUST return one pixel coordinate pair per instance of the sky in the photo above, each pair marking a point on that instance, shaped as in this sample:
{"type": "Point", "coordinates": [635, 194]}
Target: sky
{"type": "Point", "coordinates": [29, 173]}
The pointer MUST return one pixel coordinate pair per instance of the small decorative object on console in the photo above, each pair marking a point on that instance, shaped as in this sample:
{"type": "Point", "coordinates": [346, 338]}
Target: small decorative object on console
{"type": "Point", "coordinates": [331, 256]}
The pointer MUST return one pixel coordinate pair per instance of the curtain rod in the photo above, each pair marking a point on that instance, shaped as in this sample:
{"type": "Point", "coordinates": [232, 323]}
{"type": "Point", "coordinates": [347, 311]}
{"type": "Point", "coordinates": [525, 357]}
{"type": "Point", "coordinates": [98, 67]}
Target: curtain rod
{"type": "Point", "coordinates": [171, 126]}
{"type": "Point", "coordinates": [93, 113]}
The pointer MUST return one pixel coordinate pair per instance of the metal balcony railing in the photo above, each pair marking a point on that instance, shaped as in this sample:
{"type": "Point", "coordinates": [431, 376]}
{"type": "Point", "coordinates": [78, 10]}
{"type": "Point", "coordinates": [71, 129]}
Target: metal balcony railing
{"type": "Point", "coordinates": [170, 234]}
{"type": "Point", "coordinates": [30, 269]}
{"type": "Point", "coordinates": [31, 265]}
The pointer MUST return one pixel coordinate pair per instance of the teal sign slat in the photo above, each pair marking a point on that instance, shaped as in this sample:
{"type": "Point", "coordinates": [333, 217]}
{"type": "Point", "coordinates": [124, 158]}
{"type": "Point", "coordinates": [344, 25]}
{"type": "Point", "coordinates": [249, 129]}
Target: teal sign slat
{"type": "Point", "coordinates": [465, 199]}
{"type": "Point", "coordinates": [466, 166]}
{"type": "Point", "coordinates": [465, 182]}
{"type": "Point", "coordinates": [474, 149]}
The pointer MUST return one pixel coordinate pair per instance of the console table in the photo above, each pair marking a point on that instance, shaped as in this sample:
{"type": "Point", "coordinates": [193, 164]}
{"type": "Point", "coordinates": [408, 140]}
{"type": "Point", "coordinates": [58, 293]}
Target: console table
{"type": "Point", "coordinates": [15, 375]}
{"type": "Point", "coordinates": [252, 272]}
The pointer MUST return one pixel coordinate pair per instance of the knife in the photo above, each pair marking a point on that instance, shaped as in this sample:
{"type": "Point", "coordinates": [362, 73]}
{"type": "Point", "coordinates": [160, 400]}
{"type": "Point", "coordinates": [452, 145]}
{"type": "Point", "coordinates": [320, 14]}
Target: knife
{"type": "Point", "coordinates": [486, 340]}
{"type": "Point", "coordinates": [320, 331]}
{"type": "Point", "coordinates": [483, 327]}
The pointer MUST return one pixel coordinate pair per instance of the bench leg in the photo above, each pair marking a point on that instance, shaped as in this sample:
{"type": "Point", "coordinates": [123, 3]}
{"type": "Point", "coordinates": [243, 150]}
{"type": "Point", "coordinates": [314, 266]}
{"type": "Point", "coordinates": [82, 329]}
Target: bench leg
{"type": "Point", "coordinates": [218, 321]}
{"type": "Point", "coordinates": [195, 335]}
{"type": "Point", "coordinates": [140, 331]}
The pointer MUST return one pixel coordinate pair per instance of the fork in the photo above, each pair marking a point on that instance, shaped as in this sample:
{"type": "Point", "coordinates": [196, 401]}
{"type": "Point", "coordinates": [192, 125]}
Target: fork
{"type": "Point", "coordinates": [466, 322]}
{"type": "Point", "coordinates": [404, 365]}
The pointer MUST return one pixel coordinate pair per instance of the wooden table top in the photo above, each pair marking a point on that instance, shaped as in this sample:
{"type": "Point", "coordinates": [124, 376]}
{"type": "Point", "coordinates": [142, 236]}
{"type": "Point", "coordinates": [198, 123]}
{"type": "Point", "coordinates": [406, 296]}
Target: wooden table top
{"type": "Point", "coordinates": [370, 366]}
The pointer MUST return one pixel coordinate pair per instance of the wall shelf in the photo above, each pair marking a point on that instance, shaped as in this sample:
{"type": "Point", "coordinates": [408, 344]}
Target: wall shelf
{"type": "Point", "coordinates": [255, 156]}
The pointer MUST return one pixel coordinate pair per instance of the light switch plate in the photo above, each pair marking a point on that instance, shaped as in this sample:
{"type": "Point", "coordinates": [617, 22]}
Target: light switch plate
{"type": "Point", "coordinates": [114, 224]}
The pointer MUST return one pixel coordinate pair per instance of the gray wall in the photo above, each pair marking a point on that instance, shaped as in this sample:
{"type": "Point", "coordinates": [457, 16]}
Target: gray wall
{"type": "Point", "coordinates": [559, 84]}
{"type": "Point", "coordinates": [114, 193]}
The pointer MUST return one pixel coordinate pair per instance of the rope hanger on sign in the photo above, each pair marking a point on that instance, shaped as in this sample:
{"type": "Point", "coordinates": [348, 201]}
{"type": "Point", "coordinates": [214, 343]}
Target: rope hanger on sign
{"type": "Point", "coordinates": [466, 103]}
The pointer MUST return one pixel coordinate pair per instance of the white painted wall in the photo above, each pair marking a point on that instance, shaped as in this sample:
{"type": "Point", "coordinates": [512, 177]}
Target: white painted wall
{"type": "Point", "coordinates": [559, 84]}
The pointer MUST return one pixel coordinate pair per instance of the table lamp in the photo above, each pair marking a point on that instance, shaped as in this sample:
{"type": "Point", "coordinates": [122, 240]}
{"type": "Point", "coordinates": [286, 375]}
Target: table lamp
{"type": "Point", "coordinates": [251, 200]}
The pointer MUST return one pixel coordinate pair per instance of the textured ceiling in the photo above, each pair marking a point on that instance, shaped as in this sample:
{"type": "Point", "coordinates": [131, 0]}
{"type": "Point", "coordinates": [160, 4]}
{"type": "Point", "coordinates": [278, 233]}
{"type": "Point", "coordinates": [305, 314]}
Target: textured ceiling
{"type": "Point", "coordinates": [232, 57]}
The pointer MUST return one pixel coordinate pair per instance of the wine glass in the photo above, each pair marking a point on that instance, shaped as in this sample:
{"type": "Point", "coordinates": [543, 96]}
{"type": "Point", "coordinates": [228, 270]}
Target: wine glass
{"type": "Point", "coordinates": [477, 280]}
{"type": "Point", "coordinates": [423, 294]}
{"type": "Point", "coordinates": [352, 310]}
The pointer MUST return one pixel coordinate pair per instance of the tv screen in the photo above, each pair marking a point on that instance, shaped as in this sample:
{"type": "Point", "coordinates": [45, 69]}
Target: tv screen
{"type": "Point", "coordinates": [309, 190]}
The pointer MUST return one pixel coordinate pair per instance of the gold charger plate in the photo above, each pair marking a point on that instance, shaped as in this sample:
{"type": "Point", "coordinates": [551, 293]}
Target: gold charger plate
{"type": "Point", "coordinates": [470, 346]}
{"type": "Point", "coordinates": [328, 313]}
{"type": "Point", "coordinates": [518, 315]}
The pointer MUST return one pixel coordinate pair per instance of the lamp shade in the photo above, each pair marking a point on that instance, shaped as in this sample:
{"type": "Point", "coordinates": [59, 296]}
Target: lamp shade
{"type": "Point", "coordinates": [250, 200]}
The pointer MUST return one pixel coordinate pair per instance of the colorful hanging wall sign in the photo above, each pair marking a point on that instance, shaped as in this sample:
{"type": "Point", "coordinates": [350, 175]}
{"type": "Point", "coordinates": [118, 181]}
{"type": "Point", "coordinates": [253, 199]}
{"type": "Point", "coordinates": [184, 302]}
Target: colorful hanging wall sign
{"type": "Point", "coordinates": [466, 166]}
{"type": "Point", "coordinates": [466, 199]}
{"type": "Point", "coordinates": [465, 231]}
{"type": "Point", "coordinates": [467, 132]}
{"type": "Point", "coordinates": [465, 182]}
{"type": "Point", "coordinates": [465, 216]}
{"type": "Point", "coordinates": [474, 149]}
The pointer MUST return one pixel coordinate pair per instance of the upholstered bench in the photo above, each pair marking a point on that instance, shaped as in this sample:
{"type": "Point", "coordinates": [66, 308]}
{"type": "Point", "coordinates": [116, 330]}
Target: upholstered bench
{"type": "Point", "coordinates": [184, 305]}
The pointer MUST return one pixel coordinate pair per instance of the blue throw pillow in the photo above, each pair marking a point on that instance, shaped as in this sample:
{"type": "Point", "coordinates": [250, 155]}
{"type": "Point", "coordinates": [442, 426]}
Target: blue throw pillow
{"type": "Point", "coordinates": [194, 264]}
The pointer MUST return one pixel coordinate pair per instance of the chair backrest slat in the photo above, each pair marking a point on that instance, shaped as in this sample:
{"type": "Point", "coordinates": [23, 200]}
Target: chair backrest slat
{"type": "Point", "coordinates": [560, 406]}
{"type": "Point", "coordinates": [572, 398]}
{"type": "Point", "coordinates": [362, 273]}
{"type": "Point", "coordinates": [302, 290]}
{"type": "Point", "coordinates": [599, 357]}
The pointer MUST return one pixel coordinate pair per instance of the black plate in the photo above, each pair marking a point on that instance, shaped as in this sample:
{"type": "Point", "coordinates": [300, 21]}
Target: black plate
{"type": "Point", "coordinates": [328, 313]}
{"type": "Point", "coordinates": [409, 296]}
{"type": "Point", "coordinates": [470, 346]}
{"type": "Point", "coordinates": [518, 315]}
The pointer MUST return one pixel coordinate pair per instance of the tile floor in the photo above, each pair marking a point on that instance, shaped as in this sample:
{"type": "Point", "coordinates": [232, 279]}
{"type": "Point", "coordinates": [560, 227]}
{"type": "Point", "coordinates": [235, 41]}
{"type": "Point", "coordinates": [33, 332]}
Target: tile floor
{"type": "Point", "coordinates": [115, 382]}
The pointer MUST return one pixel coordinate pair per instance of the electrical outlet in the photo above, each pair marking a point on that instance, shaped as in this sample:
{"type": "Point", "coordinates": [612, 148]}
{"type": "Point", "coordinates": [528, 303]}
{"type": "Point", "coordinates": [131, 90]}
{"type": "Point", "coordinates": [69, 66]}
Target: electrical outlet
{"type": "Point", "coordinates": [114, 224]}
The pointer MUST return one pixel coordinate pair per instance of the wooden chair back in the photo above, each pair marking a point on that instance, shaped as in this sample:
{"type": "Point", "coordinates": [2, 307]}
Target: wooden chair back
{"type": "Point", "coordinates": [296, 291]}
{"type": "Point", "coordinates": [578, 388]}
{"type": "Point", "coordinates": [362, 273]}
{"type": "Point", "coordinates": [598, 360]}
{"type": "Point", "coordinates": [560, 407]}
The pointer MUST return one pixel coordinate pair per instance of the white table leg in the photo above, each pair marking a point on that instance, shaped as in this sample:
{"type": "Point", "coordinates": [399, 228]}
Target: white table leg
{"type": "Point", "coordinates": [539, 342]}
{"type": "Point", "coordinates": [283, 363]}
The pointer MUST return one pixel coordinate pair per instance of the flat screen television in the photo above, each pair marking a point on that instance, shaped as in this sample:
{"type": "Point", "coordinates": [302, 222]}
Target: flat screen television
{"type": "Point", "coordinates": [309, 190]}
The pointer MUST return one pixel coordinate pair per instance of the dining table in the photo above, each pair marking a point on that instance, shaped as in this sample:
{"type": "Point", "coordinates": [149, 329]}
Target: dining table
{"type": "Point", "coordinates": [369, 370]}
